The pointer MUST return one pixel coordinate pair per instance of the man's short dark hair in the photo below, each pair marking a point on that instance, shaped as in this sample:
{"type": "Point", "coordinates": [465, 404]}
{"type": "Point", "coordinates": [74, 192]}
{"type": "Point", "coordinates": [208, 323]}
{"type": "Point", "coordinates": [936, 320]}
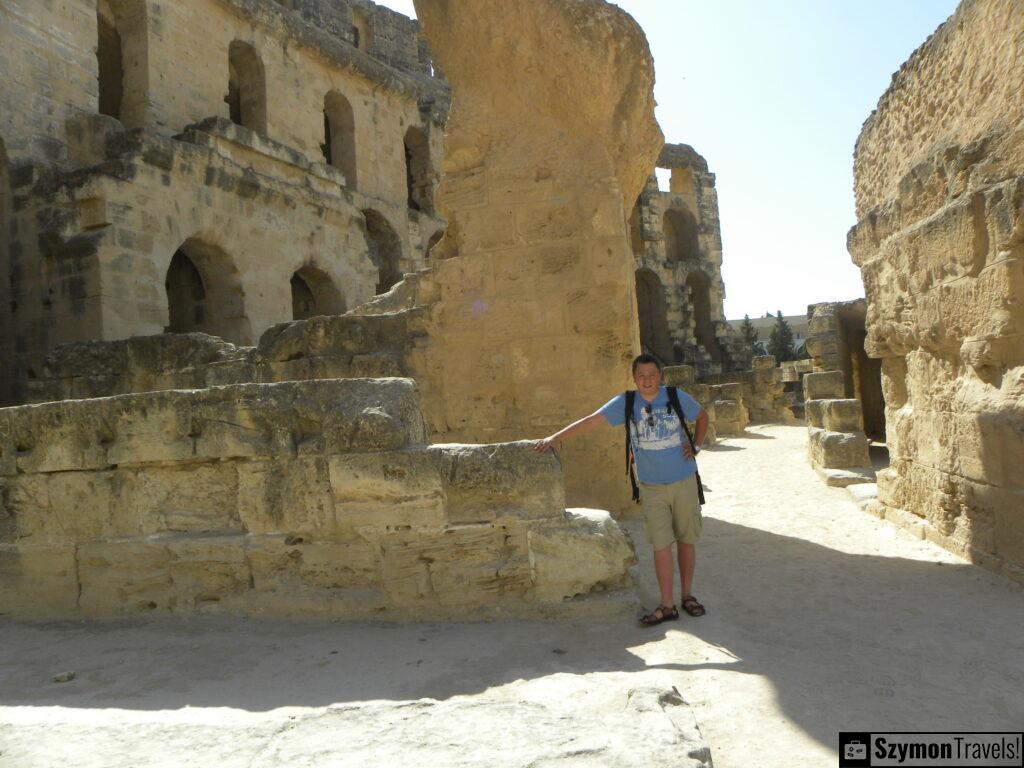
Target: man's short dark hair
{"type": "Point", "coordinates": [647, 359]}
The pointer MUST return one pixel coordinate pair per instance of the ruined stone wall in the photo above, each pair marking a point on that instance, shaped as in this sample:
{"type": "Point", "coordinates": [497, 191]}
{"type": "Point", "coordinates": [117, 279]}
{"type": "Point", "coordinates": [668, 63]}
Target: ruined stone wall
{"type": "Point", "coordinates": [835, 341]}
{"type": "Point", "coordinates": [292, 499]}
{"type": "Point", "coordinates": [534, 319]}
{"type": "Point", "coordinates": [676, 238]}
{"type": "Point", "coordinates": [93, 215]}
{"type": "Point", "coordinates": [940, 244]}
{"type": "Point", "coordinates": [764, 396]}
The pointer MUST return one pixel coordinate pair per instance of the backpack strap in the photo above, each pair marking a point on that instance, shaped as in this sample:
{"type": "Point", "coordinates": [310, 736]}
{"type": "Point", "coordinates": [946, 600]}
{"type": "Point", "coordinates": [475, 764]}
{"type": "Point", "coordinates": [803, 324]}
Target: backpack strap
{"type": "Point", "coordinates": [630, 398]}
{"type": "Point", "coordinates": [673, 403]}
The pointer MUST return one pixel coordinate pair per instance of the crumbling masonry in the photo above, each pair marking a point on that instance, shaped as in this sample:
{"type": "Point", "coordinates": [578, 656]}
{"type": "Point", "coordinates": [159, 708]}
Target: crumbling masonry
{"type": "Point", "coordinates": [939, 181]}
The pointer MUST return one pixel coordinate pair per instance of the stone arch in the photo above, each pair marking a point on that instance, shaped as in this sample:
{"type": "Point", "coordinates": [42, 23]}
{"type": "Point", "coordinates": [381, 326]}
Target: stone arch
{"type": "Point", "coordinates": [313, 293]}
{"type": "Point", "coordinates": [339, 145]}
{"type": "Point", "coordinates": [385, 250]}
{"type": "Point", "coordinates": [204, 293]}
{"type": "Point", "coordinates": [122, 53]}
{"type": "Point", "coordinates": [418, 172]}
{"type": "Point", "coordinates": [700, 306]}
{"type": "Point", "coordinates": [247, 87]}
{"type": "Point", "coordinates": [681, 242]}
{"type": "Point", "coordinates": [652, 313]}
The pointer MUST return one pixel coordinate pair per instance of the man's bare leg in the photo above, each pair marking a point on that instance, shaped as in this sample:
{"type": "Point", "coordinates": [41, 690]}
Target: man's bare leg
{"type": "Point", "coordinates": [663, 570]}
{"type": "Point", "coordinates": [687, 562]}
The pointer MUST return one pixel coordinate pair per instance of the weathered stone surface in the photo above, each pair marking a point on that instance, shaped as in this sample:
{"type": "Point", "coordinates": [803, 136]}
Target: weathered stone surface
{"type": "Point", "coordinates": [837, 450]}
{"type": "Point", "coordinates": [842, 415]}
{"type": "Point", "coordinates": [564, 560]}
{"type": "Point", "coordinates": [938, 184]}
{"type": "Point", "coordinates": [316, 498]}
{"type": "Point", "coordinates": [824, 386]}
{"type": "Point", "coordinates": [535, 269]}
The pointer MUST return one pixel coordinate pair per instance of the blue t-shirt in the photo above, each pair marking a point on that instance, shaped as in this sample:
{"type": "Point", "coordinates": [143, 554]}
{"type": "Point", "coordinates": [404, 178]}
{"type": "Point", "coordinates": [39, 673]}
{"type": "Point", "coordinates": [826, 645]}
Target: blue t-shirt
{"type": "Point", "coordinates": [656, 435]}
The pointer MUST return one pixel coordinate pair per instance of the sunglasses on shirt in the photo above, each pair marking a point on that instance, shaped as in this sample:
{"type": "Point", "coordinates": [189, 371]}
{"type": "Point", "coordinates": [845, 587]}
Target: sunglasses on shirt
{"type": "Point", "coordinates": [650, 415]}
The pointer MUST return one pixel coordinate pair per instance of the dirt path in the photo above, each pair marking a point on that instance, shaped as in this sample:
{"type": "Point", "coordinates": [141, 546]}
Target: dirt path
{"type": "Point", "coordinates": [821, 618]}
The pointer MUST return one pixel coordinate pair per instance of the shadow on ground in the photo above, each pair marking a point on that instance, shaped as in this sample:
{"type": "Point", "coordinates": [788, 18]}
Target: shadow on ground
{"type": "Point", "coordinates": [847, 641]}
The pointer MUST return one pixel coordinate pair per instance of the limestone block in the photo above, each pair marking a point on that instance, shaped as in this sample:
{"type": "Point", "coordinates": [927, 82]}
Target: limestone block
{"type": "Point", "coordinates": [763, 362]}
{"type": "Point", "coordinates": [344, 574]}
{"type": "Point", "coordinates": [151, 427]}
{"type": "Point", "coordinates": [827, 385]}
{"type": "Point", "coordinates": [843, 415]}
{"type": "Point", "coordinates": [679, 376]}
{"type": "Point", "coordinates": [391, 491]}
{"type": "Point", "coordinates": [205, 570]}
{"type": "Point", "coordinates": [493, 482]}
{"type": "Point", "coordinates": [837, 450]}
{"type": "Point", "coordinates": [282, 496]}
{"type": "Point", "coordinates": [574, 555]}
{"type": "Point", "coordinates": [463, 565]}
{"type": "Point", "coordinates": [38, 580]}
{"type": "Point", "coordinates": [193, 498]}
{"type": "Point", "coordinates": [126, 576]}
{"type": "Point", "coordinates": [731, 391]}
{"type": "Point", "coordinates": [55, 437]}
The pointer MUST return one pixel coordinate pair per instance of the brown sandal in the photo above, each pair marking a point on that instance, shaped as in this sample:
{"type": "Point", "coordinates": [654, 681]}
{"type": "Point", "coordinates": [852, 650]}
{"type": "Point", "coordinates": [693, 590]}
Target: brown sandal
{"type": "Point", "coordinates": [660, 614]}
{"type": "Point", "coordinates": [692, 607]}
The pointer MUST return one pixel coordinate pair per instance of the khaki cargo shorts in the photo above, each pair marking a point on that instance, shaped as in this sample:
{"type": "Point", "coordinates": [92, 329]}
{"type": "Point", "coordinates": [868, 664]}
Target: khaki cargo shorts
{"type": "Point", "coordinates": [671, 512]}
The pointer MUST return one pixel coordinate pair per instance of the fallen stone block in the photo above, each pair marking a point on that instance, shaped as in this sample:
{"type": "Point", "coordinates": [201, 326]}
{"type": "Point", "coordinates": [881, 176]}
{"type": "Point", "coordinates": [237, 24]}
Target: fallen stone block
{"type": "Point", "coordinates": [828, 385]}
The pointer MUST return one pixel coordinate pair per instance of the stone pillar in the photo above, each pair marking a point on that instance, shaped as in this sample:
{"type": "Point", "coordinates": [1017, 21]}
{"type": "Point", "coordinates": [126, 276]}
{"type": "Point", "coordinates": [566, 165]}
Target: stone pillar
{"type": "Point", "coordinates": [550, 138]}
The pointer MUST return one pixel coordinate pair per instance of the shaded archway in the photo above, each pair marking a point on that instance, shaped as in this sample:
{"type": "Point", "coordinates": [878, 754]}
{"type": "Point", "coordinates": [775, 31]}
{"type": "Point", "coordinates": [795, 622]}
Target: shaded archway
{"type": "Point", "coordinates": [384, 249]}
{"type": "Point", "coordinates": [652, 313]}
{"type": "Point", "coordinates": [247, 87]}
{"type": "Point", "coordinates": [418, 182]}
{"type": "Point", "coordinates": [314, 294]}
{"type": "Point", "coordinates": [700, 304]}
{"type": "Point", "coordinates": [122, 60]}
{"type": "Point", "coordinates": [339, 145]}
{"type": "Point", "coordinates": [681, 242]}
{"type": "Point", "coordinates": [204, 293]}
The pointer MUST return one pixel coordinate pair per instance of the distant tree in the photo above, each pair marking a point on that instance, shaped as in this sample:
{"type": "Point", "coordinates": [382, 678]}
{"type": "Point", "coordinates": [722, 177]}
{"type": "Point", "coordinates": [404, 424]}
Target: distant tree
{"type": "Point", "coordinates": [748, 332]}
{"type": "Point", "coordinates": [780, 341]}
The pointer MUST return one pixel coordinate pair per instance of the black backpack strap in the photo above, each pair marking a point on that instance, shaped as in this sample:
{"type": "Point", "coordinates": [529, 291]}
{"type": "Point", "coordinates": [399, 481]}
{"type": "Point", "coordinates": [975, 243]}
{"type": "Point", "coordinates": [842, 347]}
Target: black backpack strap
{"type": "Point", "coordinates": [673, 402]}
{"type": "Point", "coordinates": [630, 402]}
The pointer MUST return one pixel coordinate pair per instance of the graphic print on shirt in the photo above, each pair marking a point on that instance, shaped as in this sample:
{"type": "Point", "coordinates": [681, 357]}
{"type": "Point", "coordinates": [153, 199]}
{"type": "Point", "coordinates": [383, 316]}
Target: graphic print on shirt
{"type": "Point", "coordinates": [665, 432]}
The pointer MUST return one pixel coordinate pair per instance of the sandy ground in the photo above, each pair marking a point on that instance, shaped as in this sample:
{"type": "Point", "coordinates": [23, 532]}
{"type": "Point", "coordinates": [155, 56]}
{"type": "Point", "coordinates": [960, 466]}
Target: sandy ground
{"type": "Point", "coordinates": [821, 618]}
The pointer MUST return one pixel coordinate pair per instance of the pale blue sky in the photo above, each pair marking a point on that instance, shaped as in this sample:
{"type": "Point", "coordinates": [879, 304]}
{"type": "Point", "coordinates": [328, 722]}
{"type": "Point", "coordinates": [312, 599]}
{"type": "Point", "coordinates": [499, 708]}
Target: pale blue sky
{"type": "Point", "coordinates": [774, 95]}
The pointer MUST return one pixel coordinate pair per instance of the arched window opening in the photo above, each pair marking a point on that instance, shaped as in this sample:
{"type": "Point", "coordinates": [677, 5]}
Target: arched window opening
{"type": "Point", "coordinates": [681, 242]}
{"type": "Point", "coordinates": [700, 304]}
{"type": "Point", "coordinates": [247, 88]}
{"type": "Point", "coordinates": [652, 312]}
{"type": "Point", "coordinates": [314, 294]}
{"type": "Point", "coordinates": [418, 175]}
{"type": "Point", "coordinates": [384, 249]}
{"type": "Point", "coordinates": [109, 59]}
{"type": "Point", "coordinates": [339, 145]}
{"type": "Point", "coordinates": [204, 293]}
{"type": "Point", "coordinates": [361, 30]}
{"type": "Point", "coordinates": [186, 295]}
{"type": "Point", "coordinates": [121, 58]}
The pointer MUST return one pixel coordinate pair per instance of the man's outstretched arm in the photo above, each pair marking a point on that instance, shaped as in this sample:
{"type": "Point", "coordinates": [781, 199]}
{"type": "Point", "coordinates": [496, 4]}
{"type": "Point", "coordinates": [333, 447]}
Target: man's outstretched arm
{"type": "Point", "coordinates": [583, 425]}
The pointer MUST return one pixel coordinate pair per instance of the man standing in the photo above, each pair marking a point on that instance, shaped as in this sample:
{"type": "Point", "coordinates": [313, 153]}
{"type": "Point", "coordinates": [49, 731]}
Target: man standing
{"type": "Point", "coordinates": [666, 470]}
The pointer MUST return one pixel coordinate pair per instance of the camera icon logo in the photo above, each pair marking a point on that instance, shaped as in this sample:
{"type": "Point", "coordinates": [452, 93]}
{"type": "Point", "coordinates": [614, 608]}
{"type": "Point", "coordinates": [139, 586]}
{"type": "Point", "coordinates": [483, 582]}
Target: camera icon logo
{"type": "Point", "coordinates": [855, 750]}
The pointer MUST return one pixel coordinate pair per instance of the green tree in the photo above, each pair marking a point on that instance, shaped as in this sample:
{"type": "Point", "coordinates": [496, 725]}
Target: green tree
{"type": "Point", "coordinates": [748, 332]}
{"type": "Point", "coordinates": [780, 341]}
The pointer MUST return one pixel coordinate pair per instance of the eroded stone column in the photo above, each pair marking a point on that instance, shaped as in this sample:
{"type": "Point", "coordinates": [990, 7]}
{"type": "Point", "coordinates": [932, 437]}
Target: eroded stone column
{"type": "Point", "coordinates": [550, 138]}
